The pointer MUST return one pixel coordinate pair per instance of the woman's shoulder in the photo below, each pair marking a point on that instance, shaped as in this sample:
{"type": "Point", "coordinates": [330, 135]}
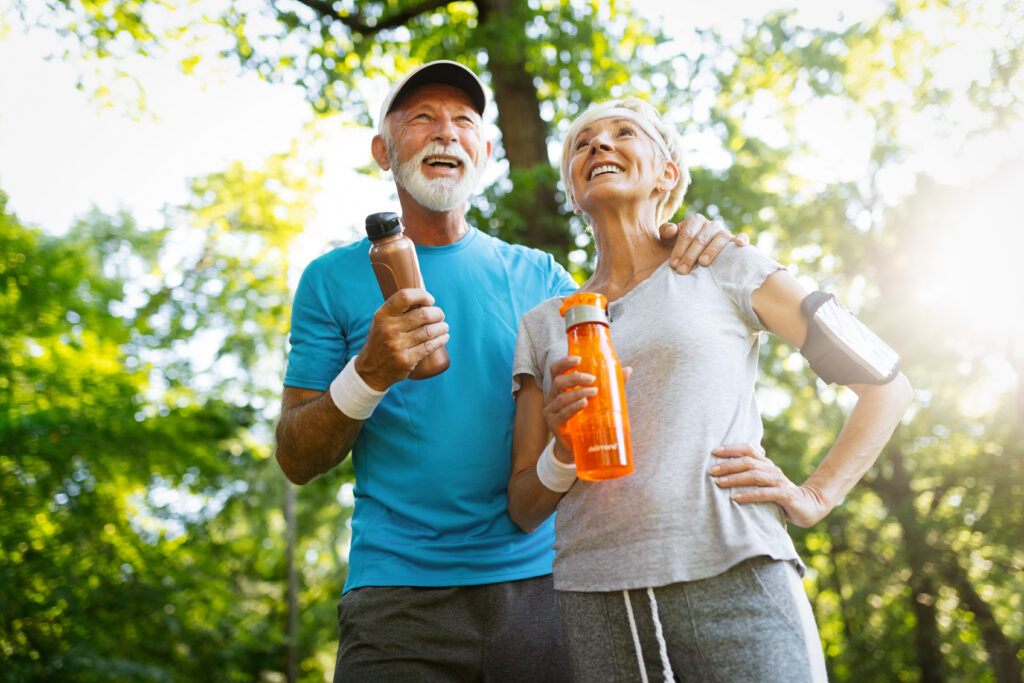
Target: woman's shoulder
{"type": "Point", "coordinates": [544, 312]}
{"type": "Point", "coordinates": [733, 253]}
{"type": "Point", "coordinates": [539, 328]}
{"type": "Point", "coordinates": [736, 264]}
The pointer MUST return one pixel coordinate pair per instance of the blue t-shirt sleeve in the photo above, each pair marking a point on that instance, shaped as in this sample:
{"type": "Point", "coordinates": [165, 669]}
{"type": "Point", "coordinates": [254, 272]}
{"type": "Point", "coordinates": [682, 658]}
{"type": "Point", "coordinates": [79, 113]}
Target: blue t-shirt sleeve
{"type": "Point", "coordinates": [560, 283]}
{"type": "Point", "coordinates": [318, 346]}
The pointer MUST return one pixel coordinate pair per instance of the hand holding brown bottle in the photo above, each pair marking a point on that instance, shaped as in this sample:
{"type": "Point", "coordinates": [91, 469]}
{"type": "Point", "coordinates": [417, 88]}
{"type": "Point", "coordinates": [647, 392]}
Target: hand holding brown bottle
{"type": "Point", "coordinates": [405, 329]}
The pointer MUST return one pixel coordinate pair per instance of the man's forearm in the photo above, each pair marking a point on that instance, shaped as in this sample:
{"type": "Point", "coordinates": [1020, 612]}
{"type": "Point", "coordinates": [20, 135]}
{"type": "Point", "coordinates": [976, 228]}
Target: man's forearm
{"type": "Point", "coordinates": [312, 437]}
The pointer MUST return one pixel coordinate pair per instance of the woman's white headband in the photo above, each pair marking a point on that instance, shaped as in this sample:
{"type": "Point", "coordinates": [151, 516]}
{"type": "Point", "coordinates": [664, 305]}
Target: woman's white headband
{"type": "Point", "coordinates": [645, 126]}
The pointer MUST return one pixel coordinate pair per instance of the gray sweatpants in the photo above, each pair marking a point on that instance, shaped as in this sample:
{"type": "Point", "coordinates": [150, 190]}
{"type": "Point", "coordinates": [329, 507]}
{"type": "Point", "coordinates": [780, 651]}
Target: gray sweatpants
{"type": "Point", "coordinates": [500, 632]}
{"type": "Point", "coordinates": [750, 623]}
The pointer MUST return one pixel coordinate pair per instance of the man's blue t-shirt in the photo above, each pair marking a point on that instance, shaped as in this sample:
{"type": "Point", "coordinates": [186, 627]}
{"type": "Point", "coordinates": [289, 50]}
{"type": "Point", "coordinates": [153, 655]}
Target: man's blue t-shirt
{"type": "Point", "coordinates": [433, 461]}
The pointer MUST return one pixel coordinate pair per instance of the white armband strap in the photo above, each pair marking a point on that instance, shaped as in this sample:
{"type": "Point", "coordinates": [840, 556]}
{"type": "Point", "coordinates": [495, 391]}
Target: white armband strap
{"type": "Point", "coordinates": [554, 473]}
{"type": "Point", "coordinates": [352, 395]}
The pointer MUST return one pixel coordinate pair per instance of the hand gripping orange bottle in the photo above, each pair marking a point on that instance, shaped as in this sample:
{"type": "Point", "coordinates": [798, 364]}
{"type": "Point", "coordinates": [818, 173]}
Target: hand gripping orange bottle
{"type": "Point", "coordinates": [396, 266]}
{"type": "Point", "coordinates": [600, 432]}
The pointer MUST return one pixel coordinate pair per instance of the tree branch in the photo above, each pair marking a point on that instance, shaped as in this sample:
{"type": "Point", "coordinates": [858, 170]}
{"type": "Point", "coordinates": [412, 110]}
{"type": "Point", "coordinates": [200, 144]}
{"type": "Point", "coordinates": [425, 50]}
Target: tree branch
{"type": "Point", "coordinates": [1002, 651]}
{"type": "Point", "coordinates": [358, 24]}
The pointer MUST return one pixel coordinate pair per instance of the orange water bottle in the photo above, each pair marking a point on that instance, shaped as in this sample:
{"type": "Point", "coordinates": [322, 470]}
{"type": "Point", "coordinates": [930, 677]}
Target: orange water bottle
{"type": "Point", "coordinates": [600, 432]}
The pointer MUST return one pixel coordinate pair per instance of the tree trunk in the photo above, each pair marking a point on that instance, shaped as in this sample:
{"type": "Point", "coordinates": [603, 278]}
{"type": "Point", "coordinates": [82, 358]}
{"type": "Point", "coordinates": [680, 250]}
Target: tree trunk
{"type": "Point", "coordinates": [292, 671]}
{"type": "Point", "coordinates": [838, 580]}
{"type": "Point", "coordinates": [1001, 652]}
{"type": "Point", "coordinates": [898, 497]}
{"type": "Point", "coordinates": [927, 639]}
{"type": "Point", "coordinates": [943, 562]}
{"type": "Point", "coordinates": [928, 562]}
{"type": "Point", "coordinates": [524, 133]}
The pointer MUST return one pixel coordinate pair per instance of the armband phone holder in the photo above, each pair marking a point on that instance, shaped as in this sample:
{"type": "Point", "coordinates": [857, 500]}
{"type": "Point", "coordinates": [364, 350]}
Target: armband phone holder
{"type": "Point", "coordinates": [840, 348]}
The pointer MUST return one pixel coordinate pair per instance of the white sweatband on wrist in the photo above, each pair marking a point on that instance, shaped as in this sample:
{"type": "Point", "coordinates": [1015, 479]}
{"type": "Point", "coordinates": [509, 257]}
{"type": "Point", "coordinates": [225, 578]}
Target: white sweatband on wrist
{"type": "Point", "coordinates": [352, 395]}
{"type": "Point", "coordinates": [554, 473]}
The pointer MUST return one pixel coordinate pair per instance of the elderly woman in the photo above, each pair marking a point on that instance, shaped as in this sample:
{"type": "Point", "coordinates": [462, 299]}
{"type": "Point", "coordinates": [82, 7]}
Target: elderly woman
{"type": "Point", "coordinates": [683, 568]}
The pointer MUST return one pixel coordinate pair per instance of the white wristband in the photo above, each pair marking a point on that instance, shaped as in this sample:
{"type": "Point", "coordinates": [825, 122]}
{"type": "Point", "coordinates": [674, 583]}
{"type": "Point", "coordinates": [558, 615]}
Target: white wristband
{"type": "Point", "coordinates": [554, 473]}
{"type": "Point", "coordinates": [352, 395]}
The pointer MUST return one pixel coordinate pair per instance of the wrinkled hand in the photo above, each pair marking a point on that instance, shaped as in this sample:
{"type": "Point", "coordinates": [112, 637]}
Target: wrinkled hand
{"type": "Point", "coordinates": [697, 238]}
{"type": "Point", "coordinates": [569, 393]}
{"type": "Point", "coordinates": [745, 465]}
{"type": "Point", "coordinates": [405, 329]}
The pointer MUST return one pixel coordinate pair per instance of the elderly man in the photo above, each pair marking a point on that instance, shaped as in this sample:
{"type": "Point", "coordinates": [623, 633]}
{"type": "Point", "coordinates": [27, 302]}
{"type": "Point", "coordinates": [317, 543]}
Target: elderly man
{"type": "Point", "coordinates": [441, 584]}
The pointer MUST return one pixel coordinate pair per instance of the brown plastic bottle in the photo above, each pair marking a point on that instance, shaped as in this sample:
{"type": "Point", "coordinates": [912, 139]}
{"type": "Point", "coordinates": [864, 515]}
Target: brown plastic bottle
{"type": "Point", "coordinates": [393, 256]}
{"type": "Point", "coordinates": [601, 443]}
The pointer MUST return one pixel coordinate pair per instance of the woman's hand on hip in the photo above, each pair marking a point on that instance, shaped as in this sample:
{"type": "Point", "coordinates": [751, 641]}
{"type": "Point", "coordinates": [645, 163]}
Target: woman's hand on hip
{"type": "Point", "coordinates": [745, 465]}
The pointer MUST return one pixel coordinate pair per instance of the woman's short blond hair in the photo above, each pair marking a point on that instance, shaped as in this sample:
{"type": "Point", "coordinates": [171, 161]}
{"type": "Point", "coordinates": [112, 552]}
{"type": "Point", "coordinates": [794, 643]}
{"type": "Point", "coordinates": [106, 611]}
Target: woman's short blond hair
{"type": "Point", "coordinates": [652, 123]}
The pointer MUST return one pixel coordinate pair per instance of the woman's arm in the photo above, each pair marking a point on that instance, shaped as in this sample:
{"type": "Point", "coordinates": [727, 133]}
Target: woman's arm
{"type": "Point", "coordinates": [871, 423]}
{"type": "Point", "coordinates": [537, 416]}
{"type": "Point", "coordinates": [529, 501]}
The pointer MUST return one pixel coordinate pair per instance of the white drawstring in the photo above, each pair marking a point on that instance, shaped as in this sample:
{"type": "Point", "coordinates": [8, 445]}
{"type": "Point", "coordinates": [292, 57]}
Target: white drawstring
{"type": "Point", "coordinates": [636, 638]}
{"type": "Point", "coordinates": [666, 665]}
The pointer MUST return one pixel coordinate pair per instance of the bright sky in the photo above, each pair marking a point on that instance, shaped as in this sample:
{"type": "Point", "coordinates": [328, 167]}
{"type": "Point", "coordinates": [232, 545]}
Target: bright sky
{"type": "Point", "coordinates": [59, 152]}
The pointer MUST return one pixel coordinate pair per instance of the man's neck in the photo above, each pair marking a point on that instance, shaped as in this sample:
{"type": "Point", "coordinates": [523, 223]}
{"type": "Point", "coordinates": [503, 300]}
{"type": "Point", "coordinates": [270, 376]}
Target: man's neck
{"type": "Point", "coordinates": [432, 228]}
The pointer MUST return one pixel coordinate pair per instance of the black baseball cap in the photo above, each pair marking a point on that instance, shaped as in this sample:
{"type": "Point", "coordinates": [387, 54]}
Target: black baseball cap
{"type": "Point", "coordinates": [440, 71]}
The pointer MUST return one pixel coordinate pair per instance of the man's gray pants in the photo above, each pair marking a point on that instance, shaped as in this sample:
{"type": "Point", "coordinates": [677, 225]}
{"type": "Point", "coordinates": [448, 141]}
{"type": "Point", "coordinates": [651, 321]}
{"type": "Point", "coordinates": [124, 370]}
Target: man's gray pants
{"type": "Point", "coordinates": [502, 632]}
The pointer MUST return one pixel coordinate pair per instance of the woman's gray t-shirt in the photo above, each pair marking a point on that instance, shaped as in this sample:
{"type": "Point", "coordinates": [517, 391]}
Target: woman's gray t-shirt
{"type": "Point", "coordinates": [692, 341]}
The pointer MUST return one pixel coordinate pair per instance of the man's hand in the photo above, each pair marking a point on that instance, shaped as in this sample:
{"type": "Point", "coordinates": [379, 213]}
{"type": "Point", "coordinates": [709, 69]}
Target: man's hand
{"type": "Point", "coordinates": [404, 331]}
{"type": "Point", "coordinates": [697, 238]}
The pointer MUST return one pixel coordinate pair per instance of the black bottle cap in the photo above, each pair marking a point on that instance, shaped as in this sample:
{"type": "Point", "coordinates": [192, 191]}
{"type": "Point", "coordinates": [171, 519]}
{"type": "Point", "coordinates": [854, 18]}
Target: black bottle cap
{"type": "Point", "coordinates": [381, 225]}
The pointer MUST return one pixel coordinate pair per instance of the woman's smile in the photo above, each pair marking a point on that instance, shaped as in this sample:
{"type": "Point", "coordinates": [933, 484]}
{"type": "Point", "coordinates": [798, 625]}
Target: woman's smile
{"type": "Point", "coordinates": [603, 169]}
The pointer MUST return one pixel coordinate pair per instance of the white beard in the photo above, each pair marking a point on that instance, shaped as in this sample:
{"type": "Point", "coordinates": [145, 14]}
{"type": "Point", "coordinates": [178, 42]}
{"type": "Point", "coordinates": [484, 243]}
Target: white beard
{"type": "Point", "coordinates": [436, 194]}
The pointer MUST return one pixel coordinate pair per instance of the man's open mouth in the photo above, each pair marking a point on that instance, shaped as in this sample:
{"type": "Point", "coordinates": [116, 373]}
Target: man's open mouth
{"type": "Point", "coordinates": [442, 162]}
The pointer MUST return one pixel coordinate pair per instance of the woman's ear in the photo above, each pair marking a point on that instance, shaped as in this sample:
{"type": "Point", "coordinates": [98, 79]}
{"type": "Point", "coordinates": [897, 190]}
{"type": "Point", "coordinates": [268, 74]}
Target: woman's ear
{"type": "Point", "coordinates": [669, 177]}
{"type": "Point", "coordinates": [575, 207]}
